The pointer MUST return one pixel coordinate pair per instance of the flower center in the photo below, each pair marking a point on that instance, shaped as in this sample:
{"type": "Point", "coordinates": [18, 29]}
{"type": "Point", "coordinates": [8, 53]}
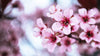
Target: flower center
{"type": "Point", "coordinates": [67, 42]}
{"type": "Point", "coordinates": [85, 19]}
{"type": "Point", "coordinates": [89, 34]}
{"type": "Point", "coordinates": [65, 22]}
{"type": "Point", "coordinates": [53, 38]}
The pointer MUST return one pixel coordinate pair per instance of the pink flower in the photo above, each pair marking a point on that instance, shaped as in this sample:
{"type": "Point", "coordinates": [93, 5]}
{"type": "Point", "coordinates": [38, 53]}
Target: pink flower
{"type": "Point", "coordinates": [89, 34]}
{"type": "Point", "coordinates": [40, 23]}
{"type": "Point", "coordinates": [86, 17]}
{"type": "Point", "coordinates": [55, 13]}
{"type": "Point", "coordinates": [66, 44]}
{"type": "Point", "coordinates": [49, 39]}
{"type": "Point", "coordinates": [37, 31]}
{"type": "Point", "coordinates": [64, 25]}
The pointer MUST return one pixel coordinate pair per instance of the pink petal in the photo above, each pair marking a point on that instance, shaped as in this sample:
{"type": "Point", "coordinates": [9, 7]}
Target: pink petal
{"type": "Point", "coordinates": [84, 26]}
{"type": "Point", "coordinates": [75, 28]}
{"type": "Point", "coordinates": [58, 8]}
{"type": "Point", "coordinates": [93, 44]}
{"type": "Point", "coordinates": [97, 37]}
{"type": "Point", "coordinates": [51, 47]}
{"type": "Point", "coordinates": [82, 35]}
{"type": "Point", "coordinates": [91, 21]}
{"type": "Point", "coordinates": [69, 49]}
{"type": "Point", "coordinates": [62, 49]}
{"type": "Point", "coordinates": [93, 12]}
{"type": "Point", "coordinates": [47, 32]}
{"type": "Point", "coordinates": [94, 28]}
{"type": "Point", "coordinates": [72, 40]}
{"type": "Point", "coordinates": [63, 39]}
{"type": "Point", "coordinates": [67, 30]}
{"type": "Point", "coordinates": [88, 40]}
{"type": "Point", "coordinates": [40, 23]}
{"type": "Point", "coordinates": [45, 42]}
{"type": "Point", "coordinates": [56, 26]}
{"type": "Point", "coordinates": [49, 15]}
{"type": "Point", "coordinates": [36, 32]}
{"type": "Point", "coordinates": [58, 16]}
{"type": "Point", "coordinates": [74, 20]}
{"type": "Point", "coordinates": [82, 12]}
{"type": "Point", "coordinates": [68, 13]}
{"type": "Point", "coordinates": [58, 39]}
{"type": "Point", "coordinates": [52, 9]}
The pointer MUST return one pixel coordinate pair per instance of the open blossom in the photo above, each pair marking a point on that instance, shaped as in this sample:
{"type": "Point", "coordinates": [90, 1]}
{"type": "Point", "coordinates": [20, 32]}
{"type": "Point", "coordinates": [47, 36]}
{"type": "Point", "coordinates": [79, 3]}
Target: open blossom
{"type": "Point", "coordinates": [90, 33]}
{"type": "Point", "coordinates": [55, 12]}
{"type": "Point", "coordinates": [66, 44]}
{"type": "Point", "coordinates": [37, 31]}
{"type": "Point", "coordinates": [64, 24]}
{"type": "Point", "coordinates": [86, 17]}
{"type": "Point", "coordinates": [65, 30]}
{"type": "Point", "coordinates": [49, 39]}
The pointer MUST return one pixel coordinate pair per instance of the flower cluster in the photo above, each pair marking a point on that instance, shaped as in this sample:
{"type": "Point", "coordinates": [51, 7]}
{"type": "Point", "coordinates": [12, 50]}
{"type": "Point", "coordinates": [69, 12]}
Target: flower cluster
{"type": "Point", "coordinates": [69, 28]}
{"type": "Point", "coordinates": [9, 37]}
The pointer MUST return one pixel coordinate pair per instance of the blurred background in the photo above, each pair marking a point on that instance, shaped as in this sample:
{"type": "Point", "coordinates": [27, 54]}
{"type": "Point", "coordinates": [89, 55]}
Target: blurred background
{"type": "Point", "coordinates": [17, 20]}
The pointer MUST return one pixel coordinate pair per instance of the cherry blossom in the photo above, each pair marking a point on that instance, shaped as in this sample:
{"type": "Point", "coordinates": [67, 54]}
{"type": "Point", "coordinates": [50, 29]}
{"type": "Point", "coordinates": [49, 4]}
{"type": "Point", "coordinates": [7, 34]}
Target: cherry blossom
{"type": "Point", "coordinates": [90, 33]}
{"type": "Point", "coordinates": [66, 44]}
{"type": "Point", "coordinates": [65, 23]}
{"type": "Point", "coordinates": [49, 39]}
{"type": "Point", "coordinates": [86, 17]}
{"type": "Point", "coordinates": [68, 28]}
{"type": "Point", "coordinates": [37, 31]}
{"type": "Point", "coordinates": [55, 13]}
